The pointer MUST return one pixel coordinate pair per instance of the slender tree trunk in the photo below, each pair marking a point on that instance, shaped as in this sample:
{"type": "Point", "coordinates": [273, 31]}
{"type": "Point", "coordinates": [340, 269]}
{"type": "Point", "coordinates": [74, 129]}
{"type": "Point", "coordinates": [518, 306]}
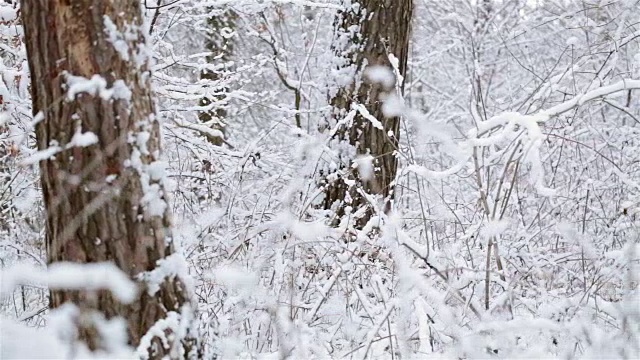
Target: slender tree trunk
{"type": "Point", "coordinates": [367, 33]}
{"type": "Point", "coordinates": [220, 44]}
{"type": "Point", "coordinates": [104, 200]}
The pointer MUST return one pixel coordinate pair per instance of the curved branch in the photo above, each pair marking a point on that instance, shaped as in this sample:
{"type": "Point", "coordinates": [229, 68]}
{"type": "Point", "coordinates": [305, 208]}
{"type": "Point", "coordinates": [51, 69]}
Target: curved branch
{"type": "Point", "coordinates": [626, 84]}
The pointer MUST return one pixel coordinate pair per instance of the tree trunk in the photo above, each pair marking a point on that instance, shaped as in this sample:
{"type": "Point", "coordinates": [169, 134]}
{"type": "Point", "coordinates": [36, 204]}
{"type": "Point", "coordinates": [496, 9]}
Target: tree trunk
{"type": "Point", "coordinates": [382, 27]}
{"type": "Point", "coordinates": [220, 44]}
{"type": "Point", "coordinates": [105, 200]}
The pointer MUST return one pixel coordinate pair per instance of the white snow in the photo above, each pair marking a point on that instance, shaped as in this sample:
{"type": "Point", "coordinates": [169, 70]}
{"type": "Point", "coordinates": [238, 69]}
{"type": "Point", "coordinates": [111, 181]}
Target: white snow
{"type": "Point", "coordinates": [167, 268]}
{"type": "Point", "coordinates": [157, 170]}
{"type": "Point", "coordinates": [572, 41]}
{"type": "Point", "coordinates": [116, 38]}
{"type": "Point", "coordinates": [66, 275]}
{"type": "Point", "coordinates": [381, 74]}
{"type": "Point", "coordinates": [364, 164]}
{"type": "Point", "coordinates": [367, 115]}
{"type": "Point", "coordinates": [4, 118]}
{"type": "Point", "coordinates": [96, 86]}
{"type": "Point", "coordinates": [514, 129]}
{"type": "Point", "coordinates": [41, 155]}
{"type": "Point", "coordinates": [81, 139]}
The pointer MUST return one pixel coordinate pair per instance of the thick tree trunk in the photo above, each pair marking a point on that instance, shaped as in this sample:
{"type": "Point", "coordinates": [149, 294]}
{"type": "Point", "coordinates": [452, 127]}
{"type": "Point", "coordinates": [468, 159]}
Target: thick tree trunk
{"type": "Point", "coordinates": [382, 28]}
{"type": "Point", "coordinates": [104, 202]}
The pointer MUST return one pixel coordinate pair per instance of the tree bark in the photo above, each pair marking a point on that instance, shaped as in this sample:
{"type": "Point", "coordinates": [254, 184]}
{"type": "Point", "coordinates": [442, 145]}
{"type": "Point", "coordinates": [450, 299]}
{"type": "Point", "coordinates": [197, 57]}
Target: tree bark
{"type": "Point", "coordinates": [221, 47]}
{"type": "Point", "coordinates": [383, 28]}
{"type": "Point", "coordinates": [104, 202]}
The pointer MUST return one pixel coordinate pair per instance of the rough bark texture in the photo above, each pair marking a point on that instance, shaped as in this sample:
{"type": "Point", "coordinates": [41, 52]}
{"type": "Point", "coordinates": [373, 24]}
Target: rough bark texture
{"type": "Point", "coordinates": [94, 195]}
{"type": "Point", "coordinates": [383, 28]}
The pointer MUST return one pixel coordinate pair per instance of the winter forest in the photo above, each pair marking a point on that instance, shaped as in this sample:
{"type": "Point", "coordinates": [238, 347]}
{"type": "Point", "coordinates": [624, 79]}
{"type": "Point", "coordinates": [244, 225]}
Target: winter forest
{"type": "Point", "coordinates": [320, 179]}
